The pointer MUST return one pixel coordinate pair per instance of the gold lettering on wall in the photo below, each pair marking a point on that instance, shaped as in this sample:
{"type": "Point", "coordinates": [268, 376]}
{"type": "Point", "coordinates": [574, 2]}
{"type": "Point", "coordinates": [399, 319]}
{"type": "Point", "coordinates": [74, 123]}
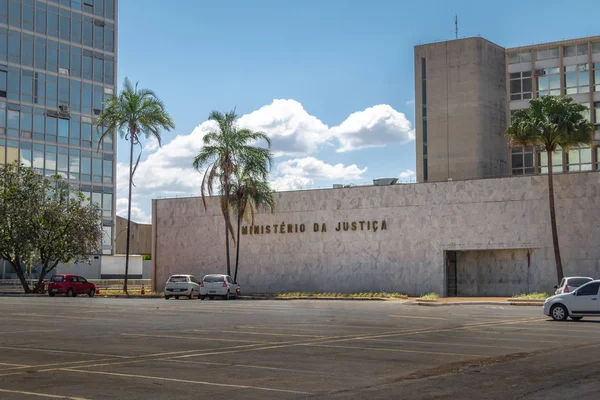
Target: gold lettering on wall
{"type": "Point", "coordinates": [341, 226]}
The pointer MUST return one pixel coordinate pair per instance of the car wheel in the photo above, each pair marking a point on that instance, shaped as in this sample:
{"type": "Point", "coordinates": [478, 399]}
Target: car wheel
{"type": "Point", "coordinates": [91, 293]}
{"type": "Point", "coordinates": [576, 318]}
{"type": "Point", "coordinates": [51, 294]}
{"type": "Point", "coordinates": [559, 312]}
{"type": "Point", "coordinates": [176, 297]}
{"type": "Point", "coordinates": [201, 297]}
{"type": "Point", "coordinates": [211, 297]}
{"type": "Point", "coordinates": [191, 296]}
{"type": "Point", "coordinates": [70, 293]}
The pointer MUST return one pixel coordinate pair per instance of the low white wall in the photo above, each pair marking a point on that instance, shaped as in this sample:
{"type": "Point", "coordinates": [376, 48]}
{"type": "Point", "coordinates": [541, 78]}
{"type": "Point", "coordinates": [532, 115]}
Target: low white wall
{"type": "Point", "coordinates": [113, 267]}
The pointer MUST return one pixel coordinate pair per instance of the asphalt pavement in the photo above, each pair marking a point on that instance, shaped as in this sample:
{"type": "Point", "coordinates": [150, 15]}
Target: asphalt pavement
{"type": "Point", "coordinates": [100, 348]}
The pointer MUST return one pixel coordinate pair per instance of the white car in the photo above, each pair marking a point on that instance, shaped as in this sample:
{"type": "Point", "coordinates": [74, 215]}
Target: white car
{"type": "Point", "coordinates": [571, 283]}
{"type": "Point", "coordinates": [583, 302]}
{"type": "Point", "coordinates": [182, 286]}
{"type": "Point", "coordinates": [215, 285]}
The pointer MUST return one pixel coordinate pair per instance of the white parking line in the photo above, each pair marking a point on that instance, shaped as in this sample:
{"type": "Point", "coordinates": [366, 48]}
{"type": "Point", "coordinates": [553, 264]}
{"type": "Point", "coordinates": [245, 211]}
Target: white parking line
{"type": "Point", "coordinates": [261, 333]}
{"type": "Point", "coordinates": [250, 366]}
{"type": "Point", "coordinates": [416, 317]}
{"type": "Point", "coordinates": [159, 378]}
{"type": "Point", "coordinates": [46, 395]}
{"type": "Point", "coordinates": [191, 338]}
{"type": "Point", "coordinates": [393, 350]}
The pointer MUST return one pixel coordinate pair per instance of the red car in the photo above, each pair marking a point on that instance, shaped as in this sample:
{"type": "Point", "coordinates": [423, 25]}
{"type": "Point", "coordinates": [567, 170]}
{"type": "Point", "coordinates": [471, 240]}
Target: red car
{"type": "Point", "coordinates": [71, 285]}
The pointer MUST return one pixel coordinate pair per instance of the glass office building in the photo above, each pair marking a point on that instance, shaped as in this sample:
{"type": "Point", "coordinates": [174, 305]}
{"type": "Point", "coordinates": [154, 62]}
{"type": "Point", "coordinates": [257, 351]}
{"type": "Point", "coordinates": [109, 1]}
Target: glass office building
{"type": "Point", "coordinates": [57, 66]}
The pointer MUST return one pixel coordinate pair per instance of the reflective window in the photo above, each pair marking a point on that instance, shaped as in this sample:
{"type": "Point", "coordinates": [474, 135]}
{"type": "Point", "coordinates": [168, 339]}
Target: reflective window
{"type": "Point", "coordinates": [519, 58]}
{"type": "Point", "coordinates": [557, 163]}
{"type": "Point", "coordinates": [50, 164]}
{"type": "Point", "coordinates": [579, 159]}
{"type": "Point", "coordinates": [577, 79]}
{"type": "Point", "coordinates": [51, 126]}
{"type": "Point", "coordinates": [548, 81]}
{"type": "Point", "coordinates": [547, 54]}
{"type": "Point", "coordinates": [74, 163]}
{"type": "Point", "coordinates": [28, 20]}
{"type": "Point", "coordinates": [86, 165]}
{"type": "Point", "coordinates": [52, 21]}
{"type": "Point", "coordinates": [63, 127]}
{"type": "Point", "coordinates": [575, 50]}
{"type": "Point", "coordinates": [596, 77]}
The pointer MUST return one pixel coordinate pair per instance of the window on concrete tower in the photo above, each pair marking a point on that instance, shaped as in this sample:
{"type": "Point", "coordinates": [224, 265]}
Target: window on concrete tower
{"type": "Point", "coordinates": [521, 85]}
{"type": "Point", "coordinates": [522, 159]}
{"type": "Point", "coordinates": [577, 78]}
{"type": "Point", "coordinates": [548, 81]}
{"type": "Point", "coordinates": [579, 159]}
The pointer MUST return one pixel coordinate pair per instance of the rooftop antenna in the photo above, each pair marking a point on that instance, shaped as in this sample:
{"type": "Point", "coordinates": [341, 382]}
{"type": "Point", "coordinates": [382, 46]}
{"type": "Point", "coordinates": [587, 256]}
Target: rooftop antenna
{"type": "Point", "coordinates": [456, 25]}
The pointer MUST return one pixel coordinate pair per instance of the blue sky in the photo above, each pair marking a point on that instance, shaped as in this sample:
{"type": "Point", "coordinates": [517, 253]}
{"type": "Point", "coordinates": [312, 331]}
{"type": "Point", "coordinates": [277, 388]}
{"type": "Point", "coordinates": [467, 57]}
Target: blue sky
{"type": "Point", "coordinates": [328, 58]}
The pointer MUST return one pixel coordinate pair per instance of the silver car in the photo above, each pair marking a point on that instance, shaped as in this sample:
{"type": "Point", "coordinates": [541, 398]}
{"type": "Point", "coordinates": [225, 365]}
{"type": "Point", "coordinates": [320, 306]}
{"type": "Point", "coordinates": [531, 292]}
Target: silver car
{"type": "Point", "coordinates": [215, 285]}
{"type": "Point", "coordinates": [182, 286]}
{"type": "Point", "coordinates": [571, 283]}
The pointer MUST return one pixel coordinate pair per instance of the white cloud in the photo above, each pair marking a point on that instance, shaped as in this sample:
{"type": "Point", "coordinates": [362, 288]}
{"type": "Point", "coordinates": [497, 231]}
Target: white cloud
{"type": "Point", "coordinates": [151, 144]}
{"type": "Point", "coordinates": [410, 102]}
{"type": "Point", "coordinates": [407, 174]}
{"type": "Point", "coordinates": [310, 167]}
{"type": "Point", "coordinates": [137, 214]}
{"type": "Point", "coordinates": [282, 183]}
{"type": "Point", "coordinates": [167, 171]}
{"type": "Point", "coordinates": [301, 173]}
{"type": "Point", "coordinates": [292, 130]}
{"type": "Point", "coordinates": [374, 127]}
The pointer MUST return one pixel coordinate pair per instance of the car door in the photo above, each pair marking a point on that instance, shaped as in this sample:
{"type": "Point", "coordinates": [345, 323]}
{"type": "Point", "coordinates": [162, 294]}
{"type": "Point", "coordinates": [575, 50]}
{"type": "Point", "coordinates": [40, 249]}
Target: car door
{"type": "Point", "coordinates": [84, 286]}
{"type": "Point", "coordinates": [195, 284]}
{"type": "Point", "coordinates": [73, 284]}
{"type": "Point", "coordinates": [585, 299]}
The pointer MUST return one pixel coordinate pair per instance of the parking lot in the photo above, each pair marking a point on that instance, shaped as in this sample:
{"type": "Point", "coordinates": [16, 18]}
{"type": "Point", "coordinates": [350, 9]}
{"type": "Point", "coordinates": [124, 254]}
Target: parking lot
{"type": "Point", "coordinates": [99, 348]}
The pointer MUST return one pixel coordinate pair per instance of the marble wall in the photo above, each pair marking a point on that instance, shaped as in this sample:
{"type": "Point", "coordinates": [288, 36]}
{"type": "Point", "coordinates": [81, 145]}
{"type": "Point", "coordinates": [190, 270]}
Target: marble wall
{"type": "Point", "coordinates": [422, 221]}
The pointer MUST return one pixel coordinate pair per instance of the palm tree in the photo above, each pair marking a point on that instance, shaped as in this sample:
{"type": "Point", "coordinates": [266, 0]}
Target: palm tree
{"type": "Point", "coordinates": [133, 113]}
{"type": "Point", "coordinates": [551, 123]}
{"type": "Point", "coordinates": [251, 192]}
{"type": "Point", "coordinates": [225, 151]}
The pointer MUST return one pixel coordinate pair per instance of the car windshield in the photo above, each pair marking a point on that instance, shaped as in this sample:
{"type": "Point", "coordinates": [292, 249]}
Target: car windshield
{"type": "Point", "coordinates": [213, 278]}
{"type": "Point", "coordinates": [178, 279]}
{"type": "Point", "coordinates": [576, 282]}
{"type": "Point", "coordinates": [58, 278]}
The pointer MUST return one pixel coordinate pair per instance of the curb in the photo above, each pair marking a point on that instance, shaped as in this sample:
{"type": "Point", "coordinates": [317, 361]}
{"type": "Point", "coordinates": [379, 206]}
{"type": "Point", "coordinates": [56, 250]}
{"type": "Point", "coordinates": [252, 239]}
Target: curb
{"type": "Point", "coordinates": [475, 303]}
{"type": "Point", "coordinates": [131, 296]}
{"type": "Point", "coordinates": [320, 298]}
{"type": "Point", "coordinates": [22, 295]}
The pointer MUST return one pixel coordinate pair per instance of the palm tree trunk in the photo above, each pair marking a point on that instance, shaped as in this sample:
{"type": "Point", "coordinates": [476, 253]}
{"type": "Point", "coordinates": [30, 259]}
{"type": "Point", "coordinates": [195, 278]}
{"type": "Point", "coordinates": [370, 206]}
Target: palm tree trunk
{"type": "Point", "coordinates": [559, 269]}
{"type": "Point", "coordinates": [227, 229]}
{"type": "Point", "coordinates": [128, 216]}
{"type": "Point", "coordinates": [237, 245]}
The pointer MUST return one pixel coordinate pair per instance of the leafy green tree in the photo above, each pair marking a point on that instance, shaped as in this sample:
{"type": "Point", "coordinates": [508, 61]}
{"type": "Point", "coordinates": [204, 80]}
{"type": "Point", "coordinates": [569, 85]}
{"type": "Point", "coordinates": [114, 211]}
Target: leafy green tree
{"type": "Point", "coordinates": [225, 151]}
{"type": "Point", "coordinates": [251, 192]}
{"type": "Point", "coordinates": [135, 114]}
{"type": "Point", "coordinates": [45, 223]}
{"type": "Point", "coordinates": [551, 123]}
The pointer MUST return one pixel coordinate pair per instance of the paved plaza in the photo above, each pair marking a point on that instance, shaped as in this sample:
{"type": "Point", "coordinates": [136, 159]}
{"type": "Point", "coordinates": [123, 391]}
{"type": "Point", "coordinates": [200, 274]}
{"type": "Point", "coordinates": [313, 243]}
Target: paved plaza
{"type": "Point", "coordinates": [100, 348]}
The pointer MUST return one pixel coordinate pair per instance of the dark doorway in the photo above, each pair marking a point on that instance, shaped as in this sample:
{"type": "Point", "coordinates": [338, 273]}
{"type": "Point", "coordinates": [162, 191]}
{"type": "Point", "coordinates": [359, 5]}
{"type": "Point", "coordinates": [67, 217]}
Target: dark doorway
{"type": "Point", "coordinates": [452, 288]}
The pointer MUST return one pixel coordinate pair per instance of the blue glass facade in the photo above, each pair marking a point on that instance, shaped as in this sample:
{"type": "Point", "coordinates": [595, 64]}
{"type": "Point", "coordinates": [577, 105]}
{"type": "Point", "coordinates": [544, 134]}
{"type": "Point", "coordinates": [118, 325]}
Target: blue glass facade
{"type": "Point", "coordinates": [57, 66]}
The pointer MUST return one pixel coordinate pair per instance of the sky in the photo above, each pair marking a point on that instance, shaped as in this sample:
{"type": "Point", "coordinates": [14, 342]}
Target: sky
{"type": "Point", "coordinates": [330, 81]}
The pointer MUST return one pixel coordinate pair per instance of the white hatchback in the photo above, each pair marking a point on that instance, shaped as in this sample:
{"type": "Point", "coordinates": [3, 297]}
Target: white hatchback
{"type": "Point", "coordinates": [215, 285]}
{"type": "Point", "coordinates": [583, 302]}
{"type": "Point", "coordinates": [182, 286]}
{"type": "Point", "coordinates": [571, 283]}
